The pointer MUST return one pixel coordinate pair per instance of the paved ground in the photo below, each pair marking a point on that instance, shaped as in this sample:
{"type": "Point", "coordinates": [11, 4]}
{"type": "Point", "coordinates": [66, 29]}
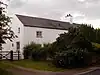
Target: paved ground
{"type": "Point", "coordinates": [24, 71]}
{"type": "Point", "coordinates": [94, 72]}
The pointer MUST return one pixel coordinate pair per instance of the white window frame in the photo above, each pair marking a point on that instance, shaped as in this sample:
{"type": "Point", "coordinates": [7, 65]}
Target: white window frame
{"type": "Point", "coordinates": [39, 34]}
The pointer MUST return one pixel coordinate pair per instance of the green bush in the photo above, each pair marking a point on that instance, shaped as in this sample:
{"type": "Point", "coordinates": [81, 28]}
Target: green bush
{"type": "Point", "coordinates": [42, 53]}
{"type": "Point", "coordinates": [96, 48]}
{"type": "Point", "coordinates": [39, 54]}
{"type": "Point", "coordinates": [72, 39]}
{"type": "Point", "coordinates": [36, 51]}
{"type": "Point", "coordinates": [29, 48]}
{"type": "Point", "coordinates": [71, 49]}
{"type": "Point", "coordinates": [96, 53]}
{"type": "Point", "coordinates": [96, 45]}
{"type": "Point", "coordinates": [72, 58]}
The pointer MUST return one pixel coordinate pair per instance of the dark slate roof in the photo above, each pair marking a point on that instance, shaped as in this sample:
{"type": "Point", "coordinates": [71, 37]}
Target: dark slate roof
{"type": "Point", "coordinates": [43, 23]}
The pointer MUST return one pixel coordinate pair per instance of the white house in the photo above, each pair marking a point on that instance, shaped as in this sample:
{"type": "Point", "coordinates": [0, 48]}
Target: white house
{"type": "Point", "coordinates": [33, 29]}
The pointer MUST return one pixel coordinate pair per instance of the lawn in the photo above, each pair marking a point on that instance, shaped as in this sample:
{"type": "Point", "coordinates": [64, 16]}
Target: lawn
{"type": "Point", "coordinates": [37, 65]}
{"type": "Point", "coordinates": [3, 68]}
{"type": "Point", "coordinates": [4, 72]}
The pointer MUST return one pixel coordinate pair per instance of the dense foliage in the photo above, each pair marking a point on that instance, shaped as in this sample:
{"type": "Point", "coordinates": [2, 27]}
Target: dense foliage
{"type": "Point", "coordinates": [72, 39]}
{"type": "Point", "coordinates": [90, 33]}
{"type": "Point", "coordinates": [28, 49]}
{"type": "Point", "coordinates": [72, 49]}
{"type": "Point", "coordinates": [5, 28]}
{"type": "Point", "coordinates": [36, 51]}
{"type": "Point", "coordinates": [72, 58]}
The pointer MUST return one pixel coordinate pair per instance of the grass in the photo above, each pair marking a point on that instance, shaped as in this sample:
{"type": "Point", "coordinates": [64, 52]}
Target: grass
{"type": "Point", "coordinates": [4, 72]}
{"type": "Point", "coordinates": [38, 65]}
{"type": "Point", "coordinates": [3, 68]}
{"type": "Point", "coordinates": [5, 65]}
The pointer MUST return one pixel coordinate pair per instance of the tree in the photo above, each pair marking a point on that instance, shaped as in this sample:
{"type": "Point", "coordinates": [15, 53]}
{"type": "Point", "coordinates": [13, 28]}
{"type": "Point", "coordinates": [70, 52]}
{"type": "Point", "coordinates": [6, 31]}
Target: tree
{"type": "Point", "coordinates": [5, 29]}
{"type": "Point", "coordinates": [97, 32]}
{"type": "Point", "coordinates": [72, 49]}
{"type": "Point", "coordinates": [72, 39]}
{"type": "Point", "coordinates": [88, 32]}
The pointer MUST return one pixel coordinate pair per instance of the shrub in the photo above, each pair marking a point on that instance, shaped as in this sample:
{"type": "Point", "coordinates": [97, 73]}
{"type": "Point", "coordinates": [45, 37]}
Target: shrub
{"type": "Point", "coordinates": [72, 58]}
{"type": "Point", "coordinates": [96, 53]}
{"type": "Point", "coordinates": [72, 39]}
{"type": "Point", "coordinates": [39, 54]}
{"type": "Point", "coordinates": [71, 49]}
{"type": "Point", "coordinates": [29, 48]}
{"type": "Point", "coordinates": [36, 52]}
{"type": "Point", "coordinates": [96, 45]}
{"type": "Point", "coordinates": [96, 48]}
{"type": "Point", "coordinates": [42, 53]}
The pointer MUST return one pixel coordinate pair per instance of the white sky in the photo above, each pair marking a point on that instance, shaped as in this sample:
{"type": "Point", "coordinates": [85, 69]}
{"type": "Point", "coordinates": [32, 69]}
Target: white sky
{"type": "Point", "coordinates": [83, 11]}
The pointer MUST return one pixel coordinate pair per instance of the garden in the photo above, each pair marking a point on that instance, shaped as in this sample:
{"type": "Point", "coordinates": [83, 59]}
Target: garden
{"type": "Point", "coordinates": [79, 48]}
{"type": "Point", "coordinates": [76, 51]}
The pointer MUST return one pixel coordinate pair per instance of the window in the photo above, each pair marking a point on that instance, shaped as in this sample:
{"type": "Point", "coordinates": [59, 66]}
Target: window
{"type": "Point", "coordinates": [39, 34]}
{"type": "Point", "coordinates": [18, 30]}
{"type": "Point", "coordinates": [17, 45]}
{"type": "Point", "coordinates": [12, 45]}
{"type": "Point", "coordinates": [59, 24]}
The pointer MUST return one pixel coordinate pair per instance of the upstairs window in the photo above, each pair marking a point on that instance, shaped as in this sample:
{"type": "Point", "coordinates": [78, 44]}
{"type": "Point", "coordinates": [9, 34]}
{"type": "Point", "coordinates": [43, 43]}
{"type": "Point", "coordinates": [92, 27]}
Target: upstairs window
{"type": "Point", "coordinates": [18, 30]}
{"type": "Point", "coordinates": [39, 34]}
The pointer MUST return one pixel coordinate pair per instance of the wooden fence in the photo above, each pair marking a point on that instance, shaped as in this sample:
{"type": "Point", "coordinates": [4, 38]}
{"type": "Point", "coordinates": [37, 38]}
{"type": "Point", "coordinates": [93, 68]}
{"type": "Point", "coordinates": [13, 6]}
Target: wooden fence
{"type": "Point", "coordinates": [10, 55]}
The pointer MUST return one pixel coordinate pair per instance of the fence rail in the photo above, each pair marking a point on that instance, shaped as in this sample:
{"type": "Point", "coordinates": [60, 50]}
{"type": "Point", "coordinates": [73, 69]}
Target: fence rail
{"type": "Point", "coordinates": [10, 55]}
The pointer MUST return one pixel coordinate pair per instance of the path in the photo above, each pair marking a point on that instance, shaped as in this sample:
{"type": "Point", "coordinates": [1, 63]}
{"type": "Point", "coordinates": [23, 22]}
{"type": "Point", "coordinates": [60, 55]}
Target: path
{"type": "Point", "coordinates": [25, 71]}
{"type": "Point", "coordinates": [17, 70]}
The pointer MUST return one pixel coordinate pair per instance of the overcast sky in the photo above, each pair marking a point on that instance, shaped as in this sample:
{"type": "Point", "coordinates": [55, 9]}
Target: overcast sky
{"type": "Point", "coordinates": [83, 11]}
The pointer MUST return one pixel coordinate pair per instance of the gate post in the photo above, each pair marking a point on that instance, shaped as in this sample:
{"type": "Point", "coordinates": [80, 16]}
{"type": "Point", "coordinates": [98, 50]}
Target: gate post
{"type": "Point", "coordinates": [18, 55]}
{"type": "Point", "coordinates": [11, 55]}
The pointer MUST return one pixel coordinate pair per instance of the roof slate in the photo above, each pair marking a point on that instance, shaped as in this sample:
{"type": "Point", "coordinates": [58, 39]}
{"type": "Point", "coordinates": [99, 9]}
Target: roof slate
{"type": "Point", "coordinates": [43, 23]}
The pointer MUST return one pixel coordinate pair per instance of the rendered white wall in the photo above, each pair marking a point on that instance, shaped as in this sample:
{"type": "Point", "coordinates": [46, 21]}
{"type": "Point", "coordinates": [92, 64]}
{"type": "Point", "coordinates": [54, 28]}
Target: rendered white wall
{"type": "Point", "coordinates": [49, 35]}
{"type": "Point", "coordinates": [15, 25]}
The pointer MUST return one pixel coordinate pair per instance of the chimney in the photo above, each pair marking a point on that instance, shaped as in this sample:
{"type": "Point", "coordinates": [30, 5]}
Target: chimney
{"type": "Point", "coordinates": [69, 18]}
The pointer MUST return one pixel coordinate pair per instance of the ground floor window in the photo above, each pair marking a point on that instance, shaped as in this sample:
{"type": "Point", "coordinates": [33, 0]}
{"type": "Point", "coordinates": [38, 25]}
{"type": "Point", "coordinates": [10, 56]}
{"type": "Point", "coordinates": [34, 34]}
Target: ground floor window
{"type": "Point", "coordinates": [17, 45]}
